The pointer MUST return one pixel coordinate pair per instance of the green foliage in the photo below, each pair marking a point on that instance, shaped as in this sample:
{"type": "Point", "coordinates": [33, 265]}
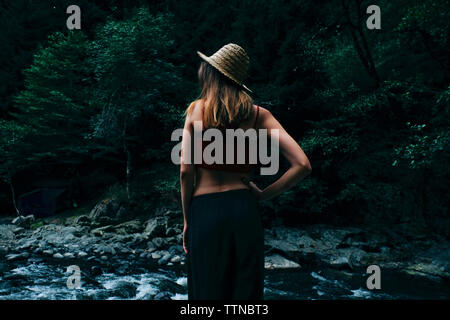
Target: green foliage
{"type": "Point", "coordinates": [422, 149]}
{"type": "Point", "coordinates": [369, 107]}
{"type": "Point", "coordinates": [37, 225]}
{"type": "Point", "coordinates": [52, 106]}
{"type": "Point", "coordinates": [134, 83]}
{"type": "Point", "coordinates": [12, 148]}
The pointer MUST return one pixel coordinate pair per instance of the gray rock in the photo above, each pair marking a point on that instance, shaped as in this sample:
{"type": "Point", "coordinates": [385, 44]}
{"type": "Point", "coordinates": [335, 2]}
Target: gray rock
{"type": "Point", "coordinates": [171, 240]}
{"type": "Point", "coordinates": [175, 259]}
{"type": "Point", "coordinates": [276, 261]}
{"type": "Point", "coordinates": [175, 249]}
{"type": "Point", "coordinates": [430, 270]}
{"type": "Point", "coordinates": [125, 289]}
{"type": "Point", "coordinates": [96, 270]}
{"type": "Point", "coordinates": [48, 252]}
{"type": "Point", "coordinates": [164, 259]}
{"type": "Point", "coordinates": [58, 255]}
{"type": "Point", "coordinates": [25, 245]}
{"type": "Point", "coordinates": [156, 255]}
{"type": "Point", "coordinates": [339, 262]}
{"type": "Point", "coordinates": [18, 230]}
{"type": "Point", "coordinates": [56, 235]}
{"type": "Point", "coordinates": [7, 232]}
{"type": "Point", "coordinates": [103, 249]}
{"type": "Point", "coordinates": [82, 254]}
{"type": "Point", "coordinates": [156, 227]}
{"type": "Point", "coordinates": [307, 242]}
{"type": "Point", "coordinates": [24, 221]}
{"type": "Point", "coordinates": [128, 227]}
{"type": "Point", "coordinates": [151, 246]}
{"type": "Point", "coordinates": [82, 220]}
{"type": "Point", "coordinates": [104, 220]}
{"type": "Point", "coordinates": [102, 230]}
{"type": "Point", "coordinates": [163, 296]}
{"type": "Point", "coordinates": [358, 258]}
{"type": "Point", "coordinates": [159, 242]}
{"type": "Point", "coordinates": [290, 248]}
{"type": "Point", "coordinates": [171, 232]}
{"type": "Point", "coordinates": [69, 255]}
{"type": "Point", "coordinates": [105, 208]}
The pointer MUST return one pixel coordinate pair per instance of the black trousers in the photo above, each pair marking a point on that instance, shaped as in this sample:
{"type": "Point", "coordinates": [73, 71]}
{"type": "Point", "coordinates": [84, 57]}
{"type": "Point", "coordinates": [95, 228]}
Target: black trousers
{"type": "Point", "coordinates": [225, 243]}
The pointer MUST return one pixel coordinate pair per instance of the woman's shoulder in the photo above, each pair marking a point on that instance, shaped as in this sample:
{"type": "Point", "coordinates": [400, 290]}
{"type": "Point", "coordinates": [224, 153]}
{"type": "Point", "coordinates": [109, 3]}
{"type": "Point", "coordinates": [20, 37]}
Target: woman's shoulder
{"type": "Point", "coordinates": [195, 108]}
{"type": "Point", "coordinates": [263, 113]}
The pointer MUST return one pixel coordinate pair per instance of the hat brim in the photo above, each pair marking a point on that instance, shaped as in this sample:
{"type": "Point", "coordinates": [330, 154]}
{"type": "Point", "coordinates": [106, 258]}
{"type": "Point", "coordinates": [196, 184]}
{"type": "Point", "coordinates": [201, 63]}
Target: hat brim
{"type": "Point", "coordinates": [213, 63]}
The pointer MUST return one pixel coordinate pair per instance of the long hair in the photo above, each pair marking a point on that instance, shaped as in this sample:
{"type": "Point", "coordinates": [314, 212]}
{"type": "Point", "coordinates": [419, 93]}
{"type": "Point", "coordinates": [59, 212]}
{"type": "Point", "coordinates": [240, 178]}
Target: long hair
{"type": "Point", "coordinates": [226, 103]}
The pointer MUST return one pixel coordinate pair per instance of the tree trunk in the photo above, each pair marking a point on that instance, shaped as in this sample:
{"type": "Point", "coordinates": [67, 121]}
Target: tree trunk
{"type": "Point", "coordinates": [427, 217]}
{"type": "Point", "coordinates": [13, 195]}
{"type": "Point", "coordinates": [358, 36]}
{"type": "Point", "coordinates": [129, 172]}
{"type": "Point", "coordinates": [129, 165]}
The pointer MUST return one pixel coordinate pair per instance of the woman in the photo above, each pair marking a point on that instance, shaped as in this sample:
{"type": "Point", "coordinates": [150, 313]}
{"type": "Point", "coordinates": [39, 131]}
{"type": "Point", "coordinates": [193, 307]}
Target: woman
{"type": "Point", "coordinates": [223, 234]}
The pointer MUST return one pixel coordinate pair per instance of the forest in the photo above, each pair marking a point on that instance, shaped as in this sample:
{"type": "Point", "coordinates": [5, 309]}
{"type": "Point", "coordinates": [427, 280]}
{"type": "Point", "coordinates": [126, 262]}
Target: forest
{"type": "Point", "coordinates": [91, 110]}
{"type": "Point", "coordinates": [86, 117]}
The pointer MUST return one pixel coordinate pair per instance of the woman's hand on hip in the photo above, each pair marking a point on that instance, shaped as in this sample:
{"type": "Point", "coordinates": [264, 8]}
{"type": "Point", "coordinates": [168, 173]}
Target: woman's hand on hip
{"type": "Point", "coordinates": [185, 238]}
{"type": "Point", "coordinates": [257, 192]}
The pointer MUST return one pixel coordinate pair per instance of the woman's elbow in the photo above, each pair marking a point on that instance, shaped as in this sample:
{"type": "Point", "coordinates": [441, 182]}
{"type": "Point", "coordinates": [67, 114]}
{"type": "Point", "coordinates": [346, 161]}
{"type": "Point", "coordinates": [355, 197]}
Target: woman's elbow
{"type": "Point", "coordinates": [186, 173]}
{"type": "Point", "coordinates": [304, 166]}
{"type": "Point", "coordinates": [307, 166]}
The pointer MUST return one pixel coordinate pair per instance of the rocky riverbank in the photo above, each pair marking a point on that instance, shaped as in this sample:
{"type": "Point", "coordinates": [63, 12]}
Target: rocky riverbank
{"type": "Point", "coordinates": [106, 242]}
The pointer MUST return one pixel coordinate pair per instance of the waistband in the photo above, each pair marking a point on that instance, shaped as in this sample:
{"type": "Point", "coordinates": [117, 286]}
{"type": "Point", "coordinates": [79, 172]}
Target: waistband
{"type": "Point", "coordinates": [222, 193]}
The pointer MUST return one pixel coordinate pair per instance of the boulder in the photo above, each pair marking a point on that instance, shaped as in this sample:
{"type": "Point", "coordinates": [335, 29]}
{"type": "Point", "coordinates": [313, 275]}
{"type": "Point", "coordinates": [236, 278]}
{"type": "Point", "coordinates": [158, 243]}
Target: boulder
{"type": "Point", "coordinates": [171, 232]}
{"type": "Point", "coordinates": [163, 296]}
{"type": "Point", "coordinates": [176, 249]}
{"type": "Point", "coordinates": [128, 227]}
{"type": "Point", "coordinates": [82, 220]}
{"type": "Point", "coordinates": [164, 259]}
{"type": "Point", "coordinates": [159, 242]}
{"type": "Point", "coordinates": [102, 230]}
{"type": "Point", "coordinates": [24, 221]}
{"type": "Point", "coordinates": [428, 270]}
{"type": "Point", "coordinates": [155, 255]}
{"type": "Point", "coordinates": [156, 227]}
{"type": "Point", "coordinates": [277, 261]}
{"type": "Point", "coordinates": [105, 208]}
{"type": "Point", "coordinates": [7, 232]}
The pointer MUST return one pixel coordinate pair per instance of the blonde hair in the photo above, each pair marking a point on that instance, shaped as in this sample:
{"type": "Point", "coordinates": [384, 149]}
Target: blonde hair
{"type": "Point", "coordinates": [226, 103]}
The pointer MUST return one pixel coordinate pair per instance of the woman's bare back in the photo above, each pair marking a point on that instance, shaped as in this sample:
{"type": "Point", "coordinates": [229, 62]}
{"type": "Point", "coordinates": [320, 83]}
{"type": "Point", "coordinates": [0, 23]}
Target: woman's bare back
{"type": "Point", "coordinates": [207, 180]}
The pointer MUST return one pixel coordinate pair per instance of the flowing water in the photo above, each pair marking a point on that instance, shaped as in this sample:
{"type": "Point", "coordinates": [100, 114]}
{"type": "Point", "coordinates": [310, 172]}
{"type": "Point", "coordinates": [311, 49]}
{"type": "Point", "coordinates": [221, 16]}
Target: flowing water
{"type": "Point", "coordinates": [41, 279]}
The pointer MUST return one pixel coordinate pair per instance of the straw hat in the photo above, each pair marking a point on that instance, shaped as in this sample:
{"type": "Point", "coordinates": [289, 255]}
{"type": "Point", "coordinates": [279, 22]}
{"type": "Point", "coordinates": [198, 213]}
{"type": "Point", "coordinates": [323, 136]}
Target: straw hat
{"type": "Point", "coordinates": [232, 61]}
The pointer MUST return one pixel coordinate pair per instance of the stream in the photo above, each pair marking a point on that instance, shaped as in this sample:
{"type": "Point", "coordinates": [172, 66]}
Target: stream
{"type": "Point", "coordinates": [41, 279]}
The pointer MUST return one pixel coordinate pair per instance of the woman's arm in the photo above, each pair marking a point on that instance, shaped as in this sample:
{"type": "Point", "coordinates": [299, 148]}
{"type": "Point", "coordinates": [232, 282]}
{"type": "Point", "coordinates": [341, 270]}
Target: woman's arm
{"type": "Point", "coordinates": [187, 170]}
{"type": "Point", "coordinates": [300, 165]}
{"type": "Point", "coordinates": [187, 173]}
